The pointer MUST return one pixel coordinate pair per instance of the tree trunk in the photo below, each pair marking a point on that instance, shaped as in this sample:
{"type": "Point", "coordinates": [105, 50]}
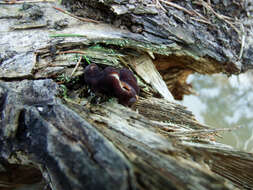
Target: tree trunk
{"type": "Point", "coordinates": [56, 134]}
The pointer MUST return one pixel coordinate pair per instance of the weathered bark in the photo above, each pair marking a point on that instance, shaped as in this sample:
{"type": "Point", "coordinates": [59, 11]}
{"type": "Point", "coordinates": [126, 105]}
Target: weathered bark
{"type": "Point", "coordinates": [50, 128]}
{"type": "Point", "coordinates": [197, 36]}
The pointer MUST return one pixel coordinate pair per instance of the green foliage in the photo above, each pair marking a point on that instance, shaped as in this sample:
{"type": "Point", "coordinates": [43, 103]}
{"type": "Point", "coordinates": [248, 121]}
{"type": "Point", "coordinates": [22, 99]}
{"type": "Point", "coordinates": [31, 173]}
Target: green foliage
{"type": "Point", "coordinates": [96, 47]}
{"type": "Point", "coordinates": [87, 59]}
{"type": "Point", "coordinates": [63, 78]}
{"type": "Point", "coordinates": [107, 50]}
{"type": "Point", "coordinates": [63, 91]}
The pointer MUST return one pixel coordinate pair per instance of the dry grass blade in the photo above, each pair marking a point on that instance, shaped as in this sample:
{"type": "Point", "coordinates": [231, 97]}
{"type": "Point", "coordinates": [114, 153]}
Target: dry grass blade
{"type": "Point", "coordinates": [202, 17]}
{"type": "Point", "coordinates": [79, 18]}
{"type": "Point", "coordinates": [77, 65]}
{"type": "Point", "coordinates": [201, 20]}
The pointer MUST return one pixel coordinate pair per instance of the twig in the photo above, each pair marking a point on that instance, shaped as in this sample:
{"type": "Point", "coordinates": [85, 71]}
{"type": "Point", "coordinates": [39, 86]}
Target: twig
{"type": "Point", "coordinates": [242, 41]}
{"type": "Point", "coordinates": [192, 13]}
{"type": "Point", "coordinates": [27, 27]}
{"type": "Point", "coordinates": [178, 7]}
{"type": "Point", "coordinates": [242, 46]}
{"type": "Point", "coordinates": [79, 18]}
{"type": "Point", "coordinates": [201, 20]}
{"type": "Point", "coordinates": [77, 65]}
{"type": "Point", "coordinates": [222, 17]}
{"type": "Point", "coordinates": [201, 16]}
{"type": "Point", "coordinates": [158, 4]}
{"type": "Point", "coordinates": [209, 7]}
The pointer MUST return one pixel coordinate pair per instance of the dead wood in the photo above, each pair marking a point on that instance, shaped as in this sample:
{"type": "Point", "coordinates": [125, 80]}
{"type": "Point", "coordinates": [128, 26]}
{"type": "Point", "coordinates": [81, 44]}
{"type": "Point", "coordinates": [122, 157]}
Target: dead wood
{"type": "Point", "coordinates": [53, 128]}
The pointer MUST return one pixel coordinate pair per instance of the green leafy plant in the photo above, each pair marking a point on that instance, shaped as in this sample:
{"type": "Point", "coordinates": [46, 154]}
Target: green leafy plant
{"type": "Point", "coordinates": [63, 78]}
{"type": "Point", "coordinates": [63, 91]}
{"type": "Point", "coordinates": [87, 59]}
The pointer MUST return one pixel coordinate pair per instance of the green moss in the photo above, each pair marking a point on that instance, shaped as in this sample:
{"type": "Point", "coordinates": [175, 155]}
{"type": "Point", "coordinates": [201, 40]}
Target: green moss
{"type": "Point", "coordinates": [124, 43]}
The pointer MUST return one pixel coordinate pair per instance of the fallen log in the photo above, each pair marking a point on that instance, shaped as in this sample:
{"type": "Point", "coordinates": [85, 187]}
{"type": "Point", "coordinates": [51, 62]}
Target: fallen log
{"type": "Point", "coordinates": [56, 133]}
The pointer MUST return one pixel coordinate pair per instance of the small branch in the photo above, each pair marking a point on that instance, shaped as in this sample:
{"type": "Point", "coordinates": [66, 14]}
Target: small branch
{"type": "Point", "coordinates": [77, 65]}
{"type": "Point", "coordinates": [79, 18]}
{"type": "Point", "coordinates": [178, 7]}
{"type": "Point", "coordinates": [158, 4]}
{"type": "Point", "coordinates": [222, 17]}
{"type": "Point", "coordinates": [201, 20]}
{"type": "Point", "coordinates": [242, 42]}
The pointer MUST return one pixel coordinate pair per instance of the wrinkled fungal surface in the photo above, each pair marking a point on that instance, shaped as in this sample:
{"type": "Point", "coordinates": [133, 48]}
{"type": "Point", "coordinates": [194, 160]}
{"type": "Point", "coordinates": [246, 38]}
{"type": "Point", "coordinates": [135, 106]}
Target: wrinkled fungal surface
{"type": "Point", "coordinates": [119, 83]}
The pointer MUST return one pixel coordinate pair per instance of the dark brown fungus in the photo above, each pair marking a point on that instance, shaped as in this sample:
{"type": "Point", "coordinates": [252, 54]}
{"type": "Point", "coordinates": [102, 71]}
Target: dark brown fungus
{"type": "Point", "coordinates": [119, 83]}
{"type": "Point", "coordinates": [128, 77]}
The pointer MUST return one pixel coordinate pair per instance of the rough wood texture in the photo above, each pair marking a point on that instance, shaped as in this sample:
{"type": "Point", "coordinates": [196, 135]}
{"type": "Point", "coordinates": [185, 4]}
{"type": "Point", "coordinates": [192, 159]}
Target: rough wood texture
{"type": "Point", "coordinates": [71, 152]}
{"type": "Point", "coordinates": [119, 149]}
{"type": "Point", "coordinates": [199, 36]}
{"type": "Point", "coordinates": [52, 127]}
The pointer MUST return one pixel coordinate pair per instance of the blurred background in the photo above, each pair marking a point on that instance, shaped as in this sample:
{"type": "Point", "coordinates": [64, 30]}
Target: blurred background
{"type": "Point", "coordinates": [224, 102]}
